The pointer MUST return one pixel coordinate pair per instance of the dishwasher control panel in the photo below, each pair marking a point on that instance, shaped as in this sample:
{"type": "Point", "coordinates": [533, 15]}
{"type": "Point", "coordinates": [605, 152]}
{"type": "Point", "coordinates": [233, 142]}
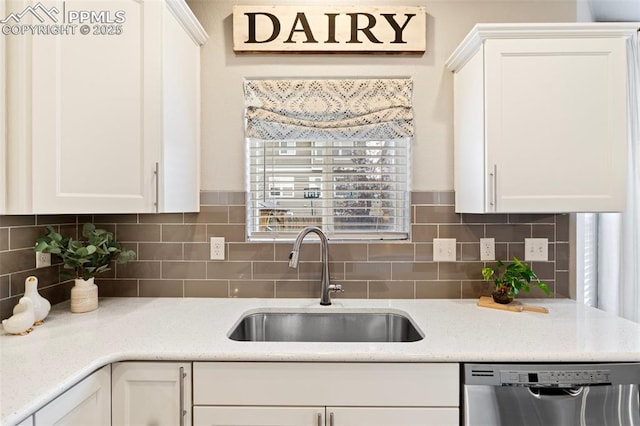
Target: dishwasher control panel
{"type": "Point", "coordinates": [552, 375]}
{"type": "Point", "coordinates": [555, 378]}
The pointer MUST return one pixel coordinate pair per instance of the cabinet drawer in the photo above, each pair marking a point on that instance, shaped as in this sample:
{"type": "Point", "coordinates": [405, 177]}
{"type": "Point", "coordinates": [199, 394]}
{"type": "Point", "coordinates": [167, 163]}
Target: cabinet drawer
{"type": "Point", "coordinates": [357, 384]}
{"type": "Point", "coordinates": [372, 416]}
{"type": "Point", "coordinates": [258, 416]}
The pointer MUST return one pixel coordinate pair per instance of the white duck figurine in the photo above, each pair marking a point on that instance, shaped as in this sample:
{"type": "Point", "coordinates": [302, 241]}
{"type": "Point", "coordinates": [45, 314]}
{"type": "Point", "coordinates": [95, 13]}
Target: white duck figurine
{"type": "Point", "coordinates": [41, 306]}
{"type": "Point", "coordinates": [22, 319]}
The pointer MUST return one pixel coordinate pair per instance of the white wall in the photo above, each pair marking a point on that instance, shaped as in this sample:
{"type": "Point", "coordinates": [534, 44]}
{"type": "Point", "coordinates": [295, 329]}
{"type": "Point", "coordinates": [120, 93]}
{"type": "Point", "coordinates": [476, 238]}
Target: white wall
{"type": "Point", "coordinates": [448, 21]}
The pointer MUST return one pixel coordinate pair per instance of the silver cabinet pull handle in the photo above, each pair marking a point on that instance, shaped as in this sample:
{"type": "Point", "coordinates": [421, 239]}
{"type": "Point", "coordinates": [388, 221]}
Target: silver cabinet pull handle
{"type": "Point", "coordinates": [331, 419]}
{"type": "Point", "coordinates": [156, 173]}
{"type": "Point", "coordinates": [494, 188]}
{"type": "Point", "coordinates": [183, 412]}
{"type": "Point", "coordinates": [319, 419]}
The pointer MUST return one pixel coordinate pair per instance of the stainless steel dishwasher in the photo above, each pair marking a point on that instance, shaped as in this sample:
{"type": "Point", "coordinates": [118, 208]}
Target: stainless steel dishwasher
{"type": "Point", "coordinates": [551, 394]}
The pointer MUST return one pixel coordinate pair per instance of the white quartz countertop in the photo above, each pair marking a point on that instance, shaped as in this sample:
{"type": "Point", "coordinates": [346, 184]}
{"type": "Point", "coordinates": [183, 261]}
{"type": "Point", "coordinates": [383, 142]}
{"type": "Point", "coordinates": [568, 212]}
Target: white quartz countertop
{"type": "Point", "coordinates": [67, 347]}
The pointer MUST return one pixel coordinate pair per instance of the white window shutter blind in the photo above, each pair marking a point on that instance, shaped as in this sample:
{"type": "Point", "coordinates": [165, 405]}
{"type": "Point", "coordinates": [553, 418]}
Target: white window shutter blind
{"type": "Point", "coordinates": [353, 109]}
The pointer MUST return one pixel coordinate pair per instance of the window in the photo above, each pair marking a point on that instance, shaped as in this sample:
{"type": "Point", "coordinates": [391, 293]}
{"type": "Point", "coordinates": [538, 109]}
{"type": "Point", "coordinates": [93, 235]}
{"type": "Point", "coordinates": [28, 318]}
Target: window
{"type": "Point", "coordinates": [352, 185]}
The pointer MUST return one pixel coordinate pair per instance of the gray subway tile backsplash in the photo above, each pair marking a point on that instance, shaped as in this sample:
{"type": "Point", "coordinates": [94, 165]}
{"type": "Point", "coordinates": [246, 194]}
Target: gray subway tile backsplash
{"type": "Point", "coordinates": [184, 233]}
{"type": "Point", "coordinates": [253, 288]}
{"type": "Point", "coordinates": [17, 220]}
{"type": "Point", "coordinates": [297, 289]}
{"type": "Point", "coordinates": [402, 271]}
{"type": "Point", "coordinates": [160, 251]}
{"type": "Point", "coordinates": [193, 270]}
{"type": "Point", "coordinates": [161, 288]}
{"type": "Point", "coordinates": [367, 270]}
{"type": "Point", "coordinates": [436, 214]}
{"type": "Point", "coordinates": [173, 255]}
{"type": "Point", "coordinates": [16, 260]}
{"type": "Point", "coordinates": [24, 237]}
{"type": "Point", "coordinates": [110, 287]}
{"type": "Point", "coordinates": [206, 288]}
{"type": "Point", "coordinates": [139, 269]}
{"type": "Point", "coordinates": [229, 270]}
{"type": "Point", "coordinates": [251, 251]}
{"type": "Point", "coordinates": [395, 252]}
{"type": "Point", "coordinates": [5, 290]}
{"type": "Point", "coordinates": [392, 290]}
{"type": "Point", "coordinates": [137, 232]}
{"type": "Point", "coordinates": [460, 270]}
{"type": "Point", "coordinates": [438, 289]}
{"type": "Point", "coordinates": [4, 239]}
{"type": "Point", "coordinates": [462, 233]}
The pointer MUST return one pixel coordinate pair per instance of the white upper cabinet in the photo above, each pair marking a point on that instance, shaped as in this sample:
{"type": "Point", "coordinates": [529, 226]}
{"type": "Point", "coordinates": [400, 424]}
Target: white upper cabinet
{"type": "Point", "coordinates": [108, 121]}
{"type": "Point", "coordinates": [540, 118]}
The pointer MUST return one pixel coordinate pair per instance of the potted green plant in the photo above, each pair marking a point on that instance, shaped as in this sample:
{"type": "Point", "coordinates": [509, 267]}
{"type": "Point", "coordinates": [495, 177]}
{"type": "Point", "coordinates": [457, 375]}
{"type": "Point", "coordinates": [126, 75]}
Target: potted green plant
{"type": "Point", "coordinates": [511, 279]}
{"type": "Point", "coordinates": [83, 259]}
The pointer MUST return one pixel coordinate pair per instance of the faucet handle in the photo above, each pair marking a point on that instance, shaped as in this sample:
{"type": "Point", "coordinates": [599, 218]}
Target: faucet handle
{"type": "Point", "coordinates": [336, 288]}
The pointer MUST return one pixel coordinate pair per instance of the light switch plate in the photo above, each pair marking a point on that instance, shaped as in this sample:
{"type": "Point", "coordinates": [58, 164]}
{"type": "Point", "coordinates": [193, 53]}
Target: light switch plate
{"type": "Point", "coordinates": [444, 249]}
{"type": "Point", "coordinates": [536, 249]}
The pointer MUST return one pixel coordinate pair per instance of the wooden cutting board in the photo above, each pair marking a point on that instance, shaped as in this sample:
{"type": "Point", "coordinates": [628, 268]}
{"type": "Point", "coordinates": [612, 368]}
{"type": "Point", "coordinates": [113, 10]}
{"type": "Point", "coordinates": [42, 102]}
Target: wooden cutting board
{"type": "Point", "coordinates": [515, 306]}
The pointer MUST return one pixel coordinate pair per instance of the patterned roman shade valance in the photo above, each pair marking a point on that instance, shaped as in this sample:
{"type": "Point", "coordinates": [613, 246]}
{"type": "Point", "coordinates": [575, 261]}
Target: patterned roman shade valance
{"type": "Point", "coordinates": [353, 109]}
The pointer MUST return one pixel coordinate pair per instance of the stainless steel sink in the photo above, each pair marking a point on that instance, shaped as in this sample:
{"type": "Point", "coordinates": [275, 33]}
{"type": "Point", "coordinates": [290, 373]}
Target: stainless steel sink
{"type": "Point", "coordinates": [325, 327]}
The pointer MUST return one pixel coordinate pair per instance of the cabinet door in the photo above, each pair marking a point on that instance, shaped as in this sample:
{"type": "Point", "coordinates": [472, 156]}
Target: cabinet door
{"type": "Point", "coordinates": [96, 112]}
{"type": "Point", "coordinates": [372, 416]}
{"type": "Point", "coordinates": [556, 124]}
{"type": "Point", "coordinates": [180, 166]}
{"type": "Point", "coordinates": [150, 393]}
{"type": "Point", "coordinates": [87, 403]}
{"type": "Point", "coordinates": [258, 416]}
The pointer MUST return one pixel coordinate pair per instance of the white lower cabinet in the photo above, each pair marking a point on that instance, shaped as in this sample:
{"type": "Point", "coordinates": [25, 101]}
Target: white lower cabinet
{"type": "Point", "coordinates": [87, 403]}
{"type": "Point", "coordinates": [151, 393]}
{"type": "Point", "coordinates": [259, 394]}
{"type": "Point", "coordinates": [325, 394]}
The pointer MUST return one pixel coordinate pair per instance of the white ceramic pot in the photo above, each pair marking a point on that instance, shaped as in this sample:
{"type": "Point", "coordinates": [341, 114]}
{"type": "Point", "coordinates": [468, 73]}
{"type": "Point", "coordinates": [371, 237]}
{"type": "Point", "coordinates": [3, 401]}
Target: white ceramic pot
{"type": "Point", "coordinates": [41, 306]}
{"type": "Point", "coordinates": [84, 296]}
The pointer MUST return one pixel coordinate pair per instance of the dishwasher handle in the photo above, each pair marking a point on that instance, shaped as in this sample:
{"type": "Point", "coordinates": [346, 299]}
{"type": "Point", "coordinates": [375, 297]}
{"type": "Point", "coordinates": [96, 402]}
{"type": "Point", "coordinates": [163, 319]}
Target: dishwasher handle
{"type": "Point", "coordinates": [551, 393]}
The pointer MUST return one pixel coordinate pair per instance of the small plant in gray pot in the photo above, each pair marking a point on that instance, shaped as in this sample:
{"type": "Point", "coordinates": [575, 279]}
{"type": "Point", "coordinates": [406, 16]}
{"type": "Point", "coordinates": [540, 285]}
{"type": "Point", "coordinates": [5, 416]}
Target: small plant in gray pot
{"type": "Point", "coordinates": [83, 259]}
{"type": "Point", "coordinates": [511, 279]}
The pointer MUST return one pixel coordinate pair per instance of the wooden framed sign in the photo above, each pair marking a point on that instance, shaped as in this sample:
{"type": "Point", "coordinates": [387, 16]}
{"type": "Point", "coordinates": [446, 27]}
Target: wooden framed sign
{"type": "Point", "coordinates": [336, 29]}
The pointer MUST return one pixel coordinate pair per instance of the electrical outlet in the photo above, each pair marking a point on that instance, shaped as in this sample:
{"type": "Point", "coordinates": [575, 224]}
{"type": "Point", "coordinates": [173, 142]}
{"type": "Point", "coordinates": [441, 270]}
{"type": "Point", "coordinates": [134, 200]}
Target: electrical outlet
{"type": "Point", "coordinates": [487, 249]}
{"type": "Point", "coordinates": [43, 260]}
{"type": "Point", "coordinates": [444, 249]}
{"type": "Point", "coordinates": [217, 248]}
{"type": "Point", "coordinates": [536, 249]}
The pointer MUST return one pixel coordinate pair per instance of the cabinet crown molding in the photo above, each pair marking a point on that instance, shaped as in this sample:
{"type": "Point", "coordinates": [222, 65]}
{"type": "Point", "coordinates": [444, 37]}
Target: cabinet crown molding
{"type": "Point", "coordinates": [188, 20]}
{"type": "Point", "coordinates": [481, 32]}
